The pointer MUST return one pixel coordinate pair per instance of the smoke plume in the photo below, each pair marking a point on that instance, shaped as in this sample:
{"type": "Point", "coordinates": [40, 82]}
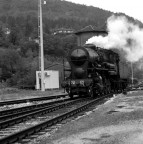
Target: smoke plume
{"type": "Point", "coordinates": [122, 35]}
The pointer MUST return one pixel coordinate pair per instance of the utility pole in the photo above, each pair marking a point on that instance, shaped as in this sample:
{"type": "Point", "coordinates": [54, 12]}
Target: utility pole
{"type": "Point", "coordinates": [132, 74]}
{"type": "Point", "coordinates": [40, 27]}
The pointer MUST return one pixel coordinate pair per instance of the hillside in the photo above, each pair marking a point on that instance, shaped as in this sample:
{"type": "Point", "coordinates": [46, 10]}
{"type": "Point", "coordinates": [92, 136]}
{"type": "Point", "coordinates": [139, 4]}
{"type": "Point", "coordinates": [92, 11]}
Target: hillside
{"type": "Point", "coordinates": [19, 50]}
{"type": "Point", "coordinates": [56, 14]}
{"type": "Point", "coordinates": [54, 9]}
{"type": "Point", "coordinates": [62, 13]}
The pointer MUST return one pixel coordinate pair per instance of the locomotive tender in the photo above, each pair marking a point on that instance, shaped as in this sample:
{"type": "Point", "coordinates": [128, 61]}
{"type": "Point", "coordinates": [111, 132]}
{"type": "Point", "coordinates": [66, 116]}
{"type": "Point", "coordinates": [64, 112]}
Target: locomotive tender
{"type": "Point", "coordinates": [93, 71]}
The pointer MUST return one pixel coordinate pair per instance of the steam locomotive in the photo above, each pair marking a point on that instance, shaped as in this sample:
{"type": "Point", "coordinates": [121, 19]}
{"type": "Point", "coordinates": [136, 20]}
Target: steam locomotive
{"type": "Point", "coordinates": [93, 71]}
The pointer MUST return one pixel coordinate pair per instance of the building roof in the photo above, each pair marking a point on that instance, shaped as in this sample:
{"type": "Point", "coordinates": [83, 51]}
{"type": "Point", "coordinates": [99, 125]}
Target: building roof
{"type": "Point", "coordinates": [63, 31]}
{"type": "Point", "coordinates": [56, 65]}
{"type": "Point", "coordinates": [91, 28]}
{"type": "Point", "coordinates": [53, 65]}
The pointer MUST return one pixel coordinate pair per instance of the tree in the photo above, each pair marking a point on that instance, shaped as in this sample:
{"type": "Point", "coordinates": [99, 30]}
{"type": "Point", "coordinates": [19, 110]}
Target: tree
{"type": "Point", "coordinates": [3, 41]}
{"type": "Point", "coordinates": [10, 61]}
{"type": "Point", "coordinates": [11, 21]}
{"type": "Point", "coordinates": [28, 26]}
{"type": "Point", "coordinates": [29, 48]}
{"type": "Point", "coordinates": [14, 36]}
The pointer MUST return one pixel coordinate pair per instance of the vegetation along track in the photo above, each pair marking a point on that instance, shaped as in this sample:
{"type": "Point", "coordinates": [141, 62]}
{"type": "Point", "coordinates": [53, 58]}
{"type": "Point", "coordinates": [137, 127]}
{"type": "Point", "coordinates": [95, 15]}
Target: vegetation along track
{"type": "Point", "coordinates": [49, 120]}
{"type": "Point", "coordinates": [31, 99]}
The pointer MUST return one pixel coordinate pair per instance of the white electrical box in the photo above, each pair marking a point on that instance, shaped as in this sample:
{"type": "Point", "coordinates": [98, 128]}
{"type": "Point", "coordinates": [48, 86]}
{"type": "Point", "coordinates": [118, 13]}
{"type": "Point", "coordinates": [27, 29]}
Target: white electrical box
{"type": "Point", "coordinates": [51, 79]}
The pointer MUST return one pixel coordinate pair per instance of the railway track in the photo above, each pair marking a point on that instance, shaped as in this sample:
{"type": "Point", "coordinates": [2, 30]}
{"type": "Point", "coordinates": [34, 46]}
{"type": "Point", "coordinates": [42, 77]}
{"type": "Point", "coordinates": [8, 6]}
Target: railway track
{"type": "Point", "coordinates": [11, 113]}
{"type": "Point", "coordinates": [23, 116]}
{"type": "Point", "coordinates": [70, 109]}
{"type": "Point", "coordinates": [31, 99]}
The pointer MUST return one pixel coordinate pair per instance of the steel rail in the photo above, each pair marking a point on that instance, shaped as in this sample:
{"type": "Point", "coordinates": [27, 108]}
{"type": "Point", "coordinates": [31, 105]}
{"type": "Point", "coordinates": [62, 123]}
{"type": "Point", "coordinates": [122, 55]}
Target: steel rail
{"type": "Point", "coordinates": [25, 108]}
{"type": "Point", "coordinates": [29, 131]}
{"type": "Point", "coordinates": [8, 114]}
{"type": "Point", "coordinates": [31, 99]}
{"type": "Point", "coordinates": [22, 118]}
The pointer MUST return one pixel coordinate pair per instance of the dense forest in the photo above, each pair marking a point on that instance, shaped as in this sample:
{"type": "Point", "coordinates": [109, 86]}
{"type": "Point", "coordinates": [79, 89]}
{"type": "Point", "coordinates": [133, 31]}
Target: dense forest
{"type": "Point", "coordinates": [19, 50]}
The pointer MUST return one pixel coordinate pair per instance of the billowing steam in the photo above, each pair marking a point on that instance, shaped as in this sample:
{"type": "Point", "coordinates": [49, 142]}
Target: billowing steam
{"type": "Point", "coordinates": [122, 35]}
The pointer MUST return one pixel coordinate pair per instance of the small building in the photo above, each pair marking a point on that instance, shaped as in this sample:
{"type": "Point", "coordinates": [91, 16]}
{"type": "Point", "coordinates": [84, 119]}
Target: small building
{"type": "Point", "coordinates": [89, 31]}
{"type": "Point", "coordinates": [57, 67]}
{"type": "Point", "coordinates": [51, 79]}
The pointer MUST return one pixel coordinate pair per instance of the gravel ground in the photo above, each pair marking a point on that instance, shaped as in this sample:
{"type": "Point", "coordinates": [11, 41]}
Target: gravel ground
{"type": "Point", "coordinates": [14, 94]}
{"type": "Point", "coordinates": [118, 121]}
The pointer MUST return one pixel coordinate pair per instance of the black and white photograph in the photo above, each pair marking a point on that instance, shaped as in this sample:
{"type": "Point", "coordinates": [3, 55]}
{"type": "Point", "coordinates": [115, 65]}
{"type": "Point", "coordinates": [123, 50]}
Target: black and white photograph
{"type": "Point", "coordinates": [71, 72]}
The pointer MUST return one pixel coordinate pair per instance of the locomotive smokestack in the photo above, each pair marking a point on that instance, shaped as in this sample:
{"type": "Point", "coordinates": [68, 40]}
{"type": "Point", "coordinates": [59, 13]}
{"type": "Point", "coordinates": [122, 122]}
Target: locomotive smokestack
{"type": "Point", "coordinates": [122, 35]}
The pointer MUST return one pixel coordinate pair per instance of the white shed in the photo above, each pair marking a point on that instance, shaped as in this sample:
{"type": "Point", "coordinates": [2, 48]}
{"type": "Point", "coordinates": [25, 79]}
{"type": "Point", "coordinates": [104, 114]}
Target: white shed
{"type": "Point", "coordinates": [51, 79]}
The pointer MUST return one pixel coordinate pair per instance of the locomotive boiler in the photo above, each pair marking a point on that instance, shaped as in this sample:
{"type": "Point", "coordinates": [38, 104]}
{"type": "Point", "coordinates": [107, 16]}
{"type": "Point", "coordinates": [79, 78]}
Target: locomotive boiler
{"type": "Point", "coordinates": [92, 71]}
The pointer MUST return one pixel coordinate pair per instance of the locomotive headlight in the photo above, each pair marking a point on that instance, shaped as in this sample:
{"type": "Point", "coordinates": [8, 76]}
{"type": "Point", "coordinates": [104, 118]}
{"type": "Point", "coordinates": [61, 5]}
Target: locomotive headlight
{"type": "Point", "coordinates": [73, 82]}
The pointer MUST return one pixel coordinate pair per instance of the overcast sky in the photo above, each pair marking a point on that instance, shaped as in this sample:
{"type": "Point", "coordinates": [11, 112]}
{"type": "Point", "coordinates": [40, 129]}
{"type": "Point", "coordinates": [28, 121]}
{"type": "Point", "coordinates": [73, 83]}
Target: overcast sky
{"type": "Point", "coordinates": [133, 8]}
